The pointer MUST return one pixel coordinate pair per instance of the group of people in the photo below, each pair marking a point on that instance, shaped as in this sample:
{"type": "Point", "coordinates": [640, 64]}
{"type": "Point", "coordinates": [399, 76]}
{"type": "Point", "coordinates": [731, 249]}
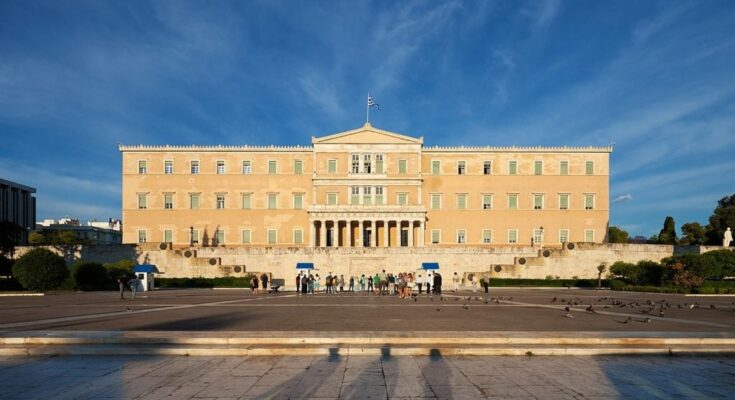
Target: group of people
{"type": "Point", "coordinates": [257, 282]}
{"type": "Point", "coordinates": [133, 283]}
{"type": "Point", "coordinates": [402, 284]}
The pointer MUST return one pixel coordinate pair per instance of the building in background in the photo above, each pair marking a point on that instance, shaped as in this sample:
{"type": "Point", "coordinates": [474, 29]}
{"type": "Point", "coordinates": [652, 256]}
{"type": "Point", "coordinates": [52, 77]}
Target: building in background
{"type": "Point", "coordinates": [365, 188]}
{"type": "Point", "coordinates": [94, 232]}
{"type": "Point", "coordinates": [18, 205]}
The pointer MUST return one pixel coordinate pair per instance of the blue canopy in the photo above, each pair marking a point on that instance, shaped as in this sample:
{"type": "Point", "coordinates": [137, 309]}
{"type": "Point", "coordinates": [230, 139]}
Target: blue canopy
{"type": "Point", "coordinates": [430, 265]}
{"type": "Point", "coordinates": [304, 265]}
{"type": "Point", "coordinates": [147, 268]}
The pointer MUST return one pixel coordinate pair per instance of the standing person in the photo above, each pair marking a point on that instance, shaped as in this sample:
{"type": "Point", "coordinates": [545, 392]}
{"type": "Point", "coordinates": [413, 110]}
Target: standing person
{"type": "Point", "coordinates": [438, 283]}
{"type": "Point", "coordinates": [369, 283]}
{"type": "Point", "coordinates": [317, 283]}
{"type": "Point", "coordinates": [362, 283]}
{"type": "Point", "coordinates": [264, 280]}
{"type": "Point", "coordinates": [133, 283]}
{"type": "Point", "coordinates": [304, 284]}
{"type": "Point", "coordinates": [311, 284]}
{"type": "Point", "coordinates": [341, 283]}
{"type": "Point", "coordinates": [486, 284]}
{"type": "Point", "coordinates": [254, 284]}
{"type": "Point", "coordinates": [352, 283]}
{"type": "Point", "coordinates": [121, 285]}
{"type": "Point", "coordinates": [298, 282]}
{"type": "Point", "coordinates": [455, 281]}
{"type": "Point", "coordinates": [474, 283]}
{"type": "Point", "coordinates": [383, 282]}
{"type": "Point", "coordinates": [391, 284]}
{"type": "Point", "coordinates": [429, 282]}
{"type": "Point", "coordinates": [420, 283]}
{"type": "Point", "coordinates": [376, 283]}
{"type": "Point", "coordinates": [328, 283]}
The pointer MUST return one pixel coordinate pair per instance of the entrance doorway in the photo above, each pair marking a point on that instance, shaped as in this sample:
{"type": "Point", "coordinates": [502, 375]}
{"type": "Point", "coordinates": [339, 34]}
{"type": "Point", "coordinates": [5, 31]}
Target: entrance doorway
{"type": "Point", "coordinates": [366, 236]}
{"type": "Point", "coordinates": [404, 237]}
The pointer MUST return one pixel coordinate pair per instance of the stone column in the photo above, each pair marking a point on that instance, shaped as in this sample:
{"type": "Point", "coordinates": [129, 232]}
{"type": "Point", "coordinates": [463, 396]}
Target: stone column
{"type": "Point", "coordinates": [350, 234]}
{"type": "Point", "coordinates": [323, 233]}
{"type": "Point", "coordinates": [386, 233]}
{"type": "Point", "coordinates": [361, 227]}
{"type": "Point", "coordinates": [421, 233]}
{"type": "Point", "coordinates": [374, 234]}
{"type": "Point", "coordinates": [312, 237]}
{"type": "Point", "coordinates": [410, 233]}
{"type": "Point", "coordinates": [335, 233]}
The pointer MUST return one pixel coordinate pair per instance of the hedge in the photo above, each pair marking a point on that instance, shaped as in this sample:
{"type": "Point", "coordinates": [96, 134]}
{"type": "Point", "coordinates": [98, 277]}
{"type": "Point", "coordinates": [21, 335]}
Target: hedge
{"type": "Point", "coordinates": [586, 283]}
{"type": "Point", "coordinates": [40, 269]}
{"type": "Point", "coordinates": [89, 275]}
{"type": "Point", "coordinates": [708, 287]}
{"type": "Point", "coordinates": [243, 282]}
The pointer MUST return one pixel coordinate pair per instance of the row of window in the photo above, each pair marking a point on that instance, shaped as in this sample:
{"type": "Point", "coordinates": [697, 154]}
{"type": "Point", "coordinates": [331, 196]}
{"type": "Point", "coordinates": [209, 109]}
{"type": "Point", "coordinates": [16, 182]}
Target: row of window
{"type": "Point", "coordinates": [363, 164]}
{"type": "Point", "coordinates": [218, 237]}
{"type": "Point", "coordinates": [363, 195]}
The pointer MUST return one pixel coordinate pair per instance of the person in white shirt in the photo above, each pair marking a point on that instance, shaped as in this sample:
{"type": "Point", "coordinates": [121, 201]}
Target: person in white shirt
{"type": "Point", "coordinates": [420, 283]}
{"type": "Point", "coordinates": [455, 281]}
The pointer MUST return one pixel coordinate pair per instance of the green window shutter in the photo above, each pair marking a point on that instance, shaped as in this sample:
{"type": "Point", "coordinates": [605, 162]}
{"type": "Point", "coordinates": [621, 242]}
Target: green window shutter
{"type": "Point", "coordinates": [435, 201]}
{"type": "Point", "coordinates": [272, 236]}
{"type": "Point", "coordinates": [246, 201]}
{"type": "Point", "coordinates": [538, 201]}
{"type": "Point", "coordinates": [538, 167]}
{"type": "Point", "coordinates": [272, 200]}
{"type": "Point", "coordinates": [564, 201]}
{"type": "Point", "coordinates": [512, 167]}
{"type": "Point", "coordinates": [435, 168]}
{"type": "Point", "coordinates": [298, 201]}
{"type": "Point", "coordinates": [564, 168]}
{"type": "Point", "coordinates": [168, 236]}
{"type": "Point", "coordinates": [401, 166]}
{"type": "Point", "coordinates": [272, 167]}
{"type": "Point", "coordinates": [435, 235]}
{"type": "Point", "coordinates": [512, 236]}
{"type": "Point", "coordinates": [513, 202]}
{"type": "Point", "coordinates": [332, 166]}
{"type": "Point", "coordinates": [298, 167]}
{"type": "Point", "coordinates": [589, 201]}
{"type": "Point", "coordinates": [246, 237]}
{"type": "Point", "coordinates": [194, 201]}
{"type": "Point", "coordinates": [461, 201]}
{"type": "Point", "coordinates": [589, 168]}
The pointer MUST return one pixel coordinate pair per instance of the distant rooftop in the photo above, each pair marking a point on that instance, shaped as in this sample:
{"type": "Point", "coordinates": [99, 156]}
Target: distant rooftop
{"type": "Point", "coordinates": [17, 185]}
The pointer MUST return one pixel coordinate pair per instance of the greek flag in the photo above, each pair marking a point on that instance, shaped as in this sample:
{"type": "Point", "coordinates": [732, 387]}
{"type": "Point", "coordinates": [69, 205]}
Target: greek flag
{"type": "Point", "coordinates": [371, 103]}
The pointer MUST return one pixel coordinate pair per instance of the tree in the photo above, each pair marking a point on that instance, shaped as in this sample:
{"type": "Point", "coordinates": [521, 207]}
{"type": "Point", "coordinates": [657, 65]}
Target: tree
{"type": "Point", "coordinates": [616, 235]}
{"type": "Point", "coordinates": [89, 275]}
{"type": "Point", "coordinates": [40, 269]}
{"type": "Point", "coordinates": [10, 235]}
{"type": "Point", "coordinates": [600, 270]}
{"type": "Point", "coordinates": [668, 232]}
{"type": "Point", "coordinates": [722, 217]}
{"type": "Point", "coordinates": [692, 234]}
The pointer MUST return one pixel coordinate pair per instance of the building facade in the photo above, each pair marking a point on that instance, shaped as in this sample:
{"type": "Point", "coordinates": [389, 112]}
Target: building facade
{"type": "Point", "coordinates": [364, 188]}
{"type": "Point", "coordinates": [18, 205]}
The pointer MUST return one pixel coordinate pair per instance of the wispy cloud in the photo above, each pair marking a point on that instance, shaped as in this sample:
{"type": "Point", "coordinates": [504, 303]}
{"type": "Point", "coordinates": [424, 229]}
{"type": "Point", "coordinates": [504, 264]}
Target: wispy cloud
{"type": "Point", "coordinates": [541, 13]}
{"type": "Point", "coordinates": [622, 199]}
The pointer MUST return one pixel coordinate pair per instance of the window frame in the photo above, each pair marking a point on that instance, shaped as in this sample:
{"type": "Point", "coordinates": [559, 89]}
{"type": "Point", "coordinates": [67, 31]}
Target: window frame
{"type": "Point", "coordinates": [249, 197]}
{"type": "Point", "coordinates": [482, 201]}
{"type": "Point", "coordinates": [543, 200]}
{"type": "Point", "coordinates": [298, 167]}
{"type": "Point", "coordinates": [336, 198]}
{"type": "Point", "coordinates": [489, 236]}
{"type": "Point", "coordinates": [144, 236]}
{"type": "Point", "coordinates": [293, 236]}
{"type": "Point", "coordinates": [268, 236]}
{"type": "Point", "coordinates": [145, 200]}
{"type": "Point", "coordinates": [273, 163]}
{"type": "Point", "coordinates": [198, 196]}
{"type": "Point", "coordinates": [142, 167]}
{"type": "Point", "coordinates": [431, 200]}
{"type": "Point", "coordinates": [515, 234]}
{"type": "Point", "coordinates": [250, 236]}
{"type": "Point", "coordinates": [164, 236]}
{"type": "Point", "coordinates": [461, 167]}
{"type": "Point", "coordinates": [217, 197]}
{"type": "Point", "coordinates": [594, 201]}
{"type": "Point", "coordinates": [398, 198]}
{"type": "Point", "coordinates": [268, 201]}
{"type": "Point", "coordinates": [330, 163]}
{"type": "Point", "coordinates": [168, 163]}
{"type": "Point", "coordinates": [247, 167]}
{"type": "Point", "coordinates": [563, 167]}
{"type": "Point", "coordinates": [223, 165]}
{"type": "Point", "coordinates": [567, 235]}
{"type": "Point", "coordinates": [466, 203]}
{"type": "Point", "coordinates": [463, 237]}
{"type": "Point", "coordinates": [165, 203]}
{"type": "Point", "coordinates": [485, 169]}
{"type": "Point", "coordinates": [194, 167]}
{"type": "Point", "coordinates": [567, 196]}
{"type": "Point", "coordinates": [439, 233]}
{"type": "Point", "coordinates": [589, 231]}
{"type": "Point", "coordinates": [514, 165]}
{"type": "Point", "coordinates": [538, 167]}
{"type": "Point", "coordinates": [515, 196]}
{"type": "Point", "coordinates": [402, 166]}
{"type": "Point", "coordinates": [589, 167]}
{"type": "Point", "coordinates": [438, 164]}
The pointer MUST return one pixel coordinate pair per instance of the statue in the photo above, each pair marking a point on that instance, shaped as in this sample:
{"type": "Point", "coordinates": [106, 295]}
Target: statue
{"type": "Point", "coordinates": [727, 239]}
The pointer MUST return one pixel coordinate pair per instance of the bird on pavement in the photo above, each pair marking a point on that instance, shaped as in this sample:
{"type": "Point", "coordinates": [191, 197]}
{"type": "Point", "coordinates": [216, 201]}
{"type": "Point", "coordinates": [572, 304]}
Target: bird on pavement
{"type": "Point", "coordinates": [661, 313]}
{"type": "Point", "coordinates": [712, 306]}
{"type": "Point", "coordinates": [627, 320]}
{"type": "Point", "coordinates": [438, 309]}
{"type": "Point", "coordinates": [553, 300]}
{"type": "Point", "coordinates": [465, 306]}
{"type": "Point", "coordinates": [591, 310]}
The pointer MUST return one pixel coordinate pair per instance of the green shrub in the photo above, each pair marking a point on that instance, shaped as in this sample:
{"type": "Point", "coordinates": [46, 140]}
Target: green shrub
{"type": "Point", "coordinates": [627, 272]}
{"type": "Point", "coordinates": [616, 284]}
{"type": "Point", "coordinates": [89, 275]}
{"type": "Point", "coordinates": [545, 282]}
{"type": "Point", "coordinates": [40, 269]}
{"type": "Point", "coordinates": [119, 269]}
{"type": "Point", "coordinates": [243, 282]}
{"type": "Point", "coordinates": [643, 273]}
{"type": "Point", "coordinates": [6, 266]}
{"type": "Point", "coordinates": [652, 272]}
{"type": "Point", "coordinates": [723, 260]}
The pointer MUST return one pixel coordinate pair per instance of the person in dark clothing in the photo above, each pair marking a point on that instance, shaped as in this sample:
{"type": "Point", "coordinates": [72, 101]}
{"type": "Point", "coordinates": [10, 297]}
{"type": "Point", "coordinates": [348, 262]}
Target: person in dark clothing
{"type": "Point", "coordinates": [264, 280]}
{"type": "Point", "coordinates": [438, 283]}
{"type": "Point", "coordinates": [304, 284]}
{"type": "Point", "coordinates": [298, 283]}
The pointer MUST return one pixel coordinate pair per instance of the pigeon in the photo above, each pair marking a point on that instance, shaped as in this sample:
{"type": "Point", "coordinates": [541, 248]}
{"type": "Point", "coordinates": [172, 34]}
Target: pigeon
{"type": "Point", "coordinates": [128, 309]}
{"type": "Point", "coordinates": [627, 320]}
{"type": "Point", "coordinates": [553, 300]}
{"type": "Point", "coordinates": [415, 299]}
{"type": "Point", "coordinates": [438, 309]}
{"type": "Point", "coordinates": [567, 309]}
{"type": "Point", "coordinates": [591, 310]}
{"type": "Point", "coordinates": [465, 307]}
{"type": "Point", "coordinates": [712, 306]}
{"type": "Point", "coordinates": [456, 298]}
{"type": "Point", "coordinates": [568, 315]}
{"type": "Point", "coordinates": [647, 320]}
{"type": "Point", "coordinates": [691, 306]}
{"type": "Point", "coordinates": [661, 313]}
{"type": "Point", "coordinates": [678, 305]}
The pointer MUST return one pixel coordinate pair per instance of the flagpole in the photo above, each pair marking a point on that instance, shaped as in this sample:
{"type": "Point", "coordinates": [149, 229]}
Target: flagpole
{"type": "Point", "coordinates": [367, 109]}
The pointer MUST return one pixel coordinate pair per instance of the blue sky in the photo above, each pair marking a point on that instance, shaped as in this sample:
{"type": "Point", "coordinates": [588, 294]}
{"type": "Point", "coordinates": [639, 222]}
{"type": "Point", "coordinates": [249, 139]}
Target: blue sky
{"type": "Point", "coordinates": [656, 78]}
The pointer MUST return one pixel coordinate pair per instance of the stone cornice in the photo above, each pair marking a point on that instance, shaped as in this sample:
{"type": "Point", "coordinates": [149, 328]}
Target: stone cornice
{"type": "Point", "coordinates": [218, 148]}
{"type": "Point", "coordinates": [517, 149]}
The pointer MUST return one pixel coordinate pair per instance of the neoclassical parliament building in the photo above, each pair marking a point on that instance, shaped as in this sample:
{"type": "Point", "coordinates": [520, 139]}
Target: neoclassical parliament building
{"type": "Point", "coordinates": [364, 188]}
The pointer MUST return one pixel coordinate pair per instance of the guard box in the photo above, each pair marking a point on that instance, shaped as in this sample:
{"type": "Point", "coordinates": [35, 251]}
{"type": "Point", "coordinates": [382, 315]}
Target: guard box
{"type": "Point", "coordinates": [144, 273]}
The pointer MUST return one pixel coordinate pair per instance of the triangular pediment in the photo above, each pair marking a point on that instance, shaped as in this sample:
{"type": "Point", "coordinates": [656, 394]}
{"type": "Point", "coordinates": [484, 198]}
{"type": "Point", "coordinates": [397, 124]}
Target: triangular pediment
{"type": "Point", "coordinates": [367, 134]}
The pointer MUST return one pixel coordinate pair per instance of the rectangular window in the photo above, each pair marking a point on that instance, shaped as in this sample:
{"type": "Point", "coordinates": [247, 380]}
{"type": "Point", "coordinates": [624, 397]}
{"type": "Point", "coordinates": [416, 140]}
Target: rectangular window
{"type": "Point", "coordinates": [589, 168]}
{"type": "Point", "coordinates": [194, 201]}
{"type": "Point", "coordinates": [486, 236]}
{"type": "Point", "coordinates": [332, 166]}
{"type": "Point", "coordinates": [194, 236]}
{"type": "Point", "coordinates": [298, 167]}
{"type": "Point", "coordinates": [298, 236]}
{"type": "Point", "coordinates": [168, 201]}
{"type": "Point", "coordinates": [538, 201]}
{"type": "Point", "coordinates": [142, 200]}
{"type": "Point", "coordinates": [219, 237]}
{"type": "Point", "coordinates": [512, 201]}
{"type": "Point", "coordinates": [589, 235]}
{"type": "Point", "coordinates": [563, 235]}
{"type": "Point", "coordinates": [355, 197]}
{"type": "Point", "coordinates": [332, 199]}
{"type": "Point", "coordinates": [589, 201]}
{"type": "Point", "coordinates": [564, 168]}
{"type": "Point", "coordinates": [355, 164]}
{"type": "Point", "coordinates": [487, 201]}
{"type": "Point", "coordinates": [436, 201]}
{"type": "Point", "coordinates": [168, 167]}
{"type": "Point", "coordinates": [461, 236]}
{"type": "Point", "coordinates": [247, 201]}
{"type": "Point", "coordinates": [220, 201]}
{"type": "Point", "coordinates": [378, 163]}
{"type": "Point", "coordinates": [436, 236]}
{"type": "Point", "coordinates": [272, 167]}
{"type": "Point", "coordinates": [538, 236]}
{"type": "Point", "coordinates": [194, 167]}
{"type": "Point", "coordinates": [402, 166]}
{"type": "Point", "coordinates": [435, 167]}
{"type": "Point", "coordinates": [220, 167]}
{"type": "Point", "coordinates": [142, 167]}
{"type": "Point", "coordinates": [379, 195]}
{"type": "Point", "coordinates": [564, 201]}
{"type": "Point", "coordinates": [367, 166]}
{"type": "Point", "coordinates": [512, 235]}
{"type": "Point", "coordinates": [142, 236]}
{"type": "Point", "coordinates": [246, 167]}
{"type": "Point", "coordinates": [538, 167]}
{"type": "Point", "coordinates": [487, 167]}
{"type": "Point", "coordinates": [462, 201]}
{"type": "Point", "coordinates": [461, 167]}
{"type": "Point", "coordinates": [272, 201]}
{"type": "Point", "coordinates": [512, 167]}
{"type": "Point", "coordinates": [402, 199]}
{"type": "Point", "coordinates": [168, 236]}
{"type": "Point", "coordinates": [272, 236]}
{"type": "Point", "coordinates": [246, 236]}
{"type": "Point", "coordinates": [366, 195]}
{"type": "Point", "coordinates": [298, 201]}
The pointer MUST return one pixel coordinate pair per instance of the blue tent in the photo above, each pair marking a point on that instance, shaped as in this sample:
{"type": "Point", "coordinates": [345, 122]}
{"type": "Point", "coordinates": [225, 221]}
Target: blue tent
{"type": "Point", "coordinates": [304, 265]}
{"type": "Point", "coordinates": [147, 268]}
{"type": "Point", "coordinates": [430, 265]}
